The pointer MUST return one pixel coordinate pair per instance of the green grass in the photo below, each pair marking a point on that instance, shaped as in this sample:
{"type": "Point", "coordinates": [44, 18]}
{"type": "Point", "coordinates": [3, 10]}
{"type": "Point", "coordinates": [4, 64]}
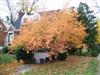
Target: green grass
{"type": "Point", "coordinates": [60, 68]}
{"type": "Point", "coordinates": [6, 58]}
{"type": "Point", "coordinates": [92, 68]}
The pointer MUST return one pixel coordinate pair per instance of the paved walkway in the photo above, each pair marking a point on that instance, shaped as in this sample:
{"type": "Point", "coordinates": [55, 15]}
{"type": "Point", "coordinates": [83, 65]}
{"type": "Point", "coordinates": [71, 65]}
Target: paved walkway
{"type": "Point", "coordinates": [22, 69]}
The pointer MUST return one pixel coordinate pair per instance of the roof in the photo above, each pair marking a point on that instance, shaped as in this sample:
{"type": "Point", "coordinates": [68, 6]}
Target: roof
{"type": "Point", "coordinates": [30, 17]}
{"type": "Point", "coordinates": [49, 12]}
{"type": "Point", "coordinates": [7, 26]}
{"type": "Point", "coordinates": [34, 16]}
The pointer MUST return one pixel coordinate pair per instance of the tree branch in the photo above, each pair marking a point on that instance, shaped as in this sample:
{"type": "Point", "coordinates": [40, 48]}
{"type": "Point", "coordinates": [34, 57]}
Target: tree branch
{"type": "Point", "coordinates": [34, 2]}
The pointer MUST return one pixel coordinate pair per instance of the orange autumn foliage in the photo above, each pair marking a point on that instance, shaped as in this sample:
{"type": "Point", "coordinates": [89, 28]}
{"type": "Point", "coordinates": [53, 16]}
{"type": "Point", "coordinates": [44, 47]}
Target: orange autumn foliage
{"type": "Point", "coordinates": [56, 31]}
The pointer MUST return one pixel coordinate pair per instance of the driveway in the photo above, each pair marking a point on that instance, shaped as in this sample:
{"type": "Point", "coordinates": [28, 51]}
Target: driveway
{"type": "Point", "coordinates": [23, 68]}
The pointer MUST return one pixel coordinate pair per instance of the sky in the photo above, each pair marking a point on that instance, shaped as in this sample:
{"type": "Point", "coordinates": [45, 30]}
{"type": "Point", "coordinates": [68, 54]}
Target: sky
{"type": "Point", "coordinates": [47, 5]}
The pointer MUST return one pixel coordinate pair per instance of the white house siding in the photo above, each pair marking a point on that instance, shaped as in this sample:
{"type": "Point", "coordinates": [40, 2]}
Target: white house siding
{"type": "Point", "coordinates": [0, 48]}
{"type": "Point", "coordinates": [38, 56]}
{"type": "Point", "coordinates": [9, 37]}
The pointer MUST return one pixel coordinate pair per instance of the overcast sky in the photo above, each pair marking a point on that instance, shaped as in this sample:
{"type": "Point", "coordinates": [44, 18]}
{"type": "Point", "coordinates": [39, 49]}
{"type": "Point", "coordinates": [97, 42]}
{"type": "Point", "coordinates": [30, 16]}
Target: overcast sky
{"type": "Point", "coordinates": [47, 4]}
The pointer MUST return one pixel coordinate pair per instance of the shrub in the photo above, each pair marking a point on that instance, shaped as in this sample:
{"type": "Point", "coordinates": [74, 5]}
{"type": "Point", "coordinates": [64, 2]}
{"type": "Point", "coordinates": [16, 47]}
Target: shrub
{"type": "Point", "coordinates": [95, 51]}
{"type": "Point", "coordinates": [46, 59]}
{"type": "Point", "coordinates": [5, 49]}
{"type": "Point", "coordinates": [72, 51]}
{"type": "Point", "coordinates": [34, 61]}
{"type": "Point", "coordinates": [84, 52]}
{"type": "Point", "coordinates": [21, 54]}
{"type": "Point", "coordinates": [62, 56]}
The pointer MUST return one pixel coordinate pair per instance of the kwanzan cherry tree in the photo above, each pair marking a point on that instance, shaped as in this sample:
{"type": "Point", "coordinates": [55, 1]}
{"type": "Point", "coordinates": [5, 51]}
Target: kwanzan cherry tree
{"type": "Point", "coordinates": [56, 31]}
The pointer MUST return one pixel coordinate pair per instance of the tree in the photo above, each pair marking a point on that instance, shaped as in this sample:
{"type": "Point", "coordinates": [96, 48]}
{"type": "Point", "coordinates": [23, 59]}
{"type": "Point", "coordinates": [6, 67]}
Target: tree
{"type": "Point", "coordinates": [98, 35]}
{"type": "Point", "coordinates": [25, 7]}
{"type": "Point", "coordinates": [11, 17]}
{"type": "Point", "coordinates": [89, 22]}
{"type": "Point", "coordinates": [96, 7]}
{"type": "Point", "coordinates": [55, 32]}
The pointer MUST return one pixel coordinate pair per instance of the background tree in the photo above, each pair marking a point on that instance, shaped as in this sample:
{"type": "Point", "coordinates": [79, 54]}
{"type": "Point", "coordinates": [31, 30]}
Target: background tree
{"type": "Point", "coordinates": [28, 5]}
{"type": "Point", "coordinates": [90, 23]}
{"type": "Point", "coordinates": [25, 6]}
{"type": "Point", "coordinates": [11, 17]}
{"type": "Point", "coordinates": [96, 7]}
{"type": "Point", "coordinates": [56, 32]}
{"type": "Point", "coordinates": [98, 35]}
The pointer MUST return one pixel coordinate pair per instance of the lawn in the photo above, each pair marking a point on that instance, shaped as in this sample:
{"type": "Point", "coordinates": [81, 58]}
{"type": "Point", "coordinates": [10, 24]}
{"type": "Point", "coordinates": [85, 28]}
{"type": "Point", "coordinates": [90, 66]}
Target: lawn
{"type": "Point", "coordinates": [6, 58]}
{"type": "Point", "coordinates": [74, 65]}
{"type": "Point", "coordinates": [8, 64]}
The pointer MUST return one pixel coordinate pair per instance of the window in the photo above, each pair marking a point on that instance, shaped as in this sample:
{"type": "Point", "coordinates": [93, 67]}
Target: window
{"type": "Point", "coordinates": [25, 20]}
{"type": "Point", "coordinates": [36, 18]}
{"type": "Point", "coordinates": [17, 33]}
{"type": "Point", "coordinates": [10, 37]}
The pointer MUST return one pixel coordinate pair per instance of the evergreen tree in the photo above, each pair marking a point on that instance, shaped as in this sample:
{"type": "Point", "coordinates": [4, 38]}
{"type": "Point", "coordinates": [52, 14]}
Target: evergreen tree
{"type": "Point", "coordinates": [85, 15]}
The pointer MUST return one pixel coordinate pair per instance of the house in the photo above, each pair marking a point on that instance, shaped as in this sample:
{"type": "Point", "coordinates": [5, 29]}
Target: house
{"type": "Point", "coordinates": [7, 33]}
{"type": "Point", "coordinates": [36, 16]}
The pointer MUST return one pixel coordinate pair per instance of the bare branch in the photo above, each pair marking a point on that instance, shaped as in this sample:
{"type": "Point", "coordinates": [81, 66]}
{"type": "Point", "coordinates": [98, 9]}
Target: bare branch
{"type": "Point", "coordinates": [8, 4]}
{"type": "Point", "coordinates": [96, 6]}
{"type": "Point", "coordinates": [10, 10]}
{"type": "Point", "coordinates": [34, 2]}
